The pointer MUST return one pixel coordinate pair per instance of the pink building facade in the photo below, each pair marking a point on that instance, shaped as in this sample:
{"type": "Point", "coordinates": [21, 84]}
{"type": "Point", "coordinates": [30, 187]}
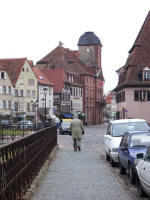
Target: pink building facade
{"type": "Point", "coordinates": [133, 89]}
{"type": "Point", "coordinates": [132, 108]}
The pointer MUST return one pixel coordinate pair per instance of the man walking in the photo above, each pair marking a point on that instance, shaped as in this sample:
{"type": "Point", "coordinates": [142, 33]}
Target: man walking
{"type": "Point", "coordinates": [77, 130]}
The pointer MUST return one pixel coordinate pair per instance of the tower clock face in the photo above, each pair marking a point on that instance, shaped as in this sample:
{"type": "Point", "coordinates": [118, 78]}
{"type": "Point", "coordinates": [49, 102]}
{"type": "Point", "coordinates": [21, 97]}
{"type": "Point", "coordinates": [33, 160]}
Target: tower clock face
{"type": "Point", "coordinates": [87, 49]}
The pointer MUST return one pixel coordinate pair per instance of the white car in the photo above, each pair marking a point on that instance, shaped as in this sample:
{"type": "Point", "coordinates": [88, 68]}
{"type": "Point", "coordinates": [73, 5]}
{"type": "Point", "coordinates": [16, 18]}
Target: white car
{"type": "Point", "coordinates": [114, 133]}
{"type": "Point", "coordinates": [143, 171]}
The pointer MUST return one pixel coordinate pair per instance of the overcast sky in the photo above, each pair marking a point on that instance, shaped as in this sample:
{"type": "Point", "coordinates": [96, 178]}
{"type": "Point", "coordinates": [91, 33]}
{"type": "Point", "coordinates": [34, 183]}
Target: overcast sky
{"type": "Point", "coordinates": [32, 28]}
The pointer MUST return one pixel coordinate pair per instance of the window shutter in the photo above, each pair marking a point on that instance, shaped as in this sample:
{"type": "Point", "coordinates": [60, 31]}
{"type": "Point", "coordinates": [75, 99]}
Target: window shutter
{"type": "Point", "coordinates": [136, 95]}
{"type": "Point", "coordinates": [140, 75]}
{"type": "Point", "coordinates": [1, 89]}
{"type": "Point", "coordinates": [148, 95]}
{"type": "Point", "coordinates": [7, 90]}
{"type": "Point", "coordinates": [5, 75]}
{"type": "Point", "coordinates": [1, 104]}
{"type": "Point", "coordinates": [6, 104]}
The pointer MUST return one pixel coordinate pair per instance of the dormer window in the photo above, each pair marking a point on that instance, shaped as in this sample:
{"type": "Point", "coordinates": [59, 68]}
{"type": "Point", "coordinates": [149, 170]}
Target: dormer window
{"type": "Point", "coordinates": [146, 74]}
{"type": "Point", "coordinates": [40, 77]}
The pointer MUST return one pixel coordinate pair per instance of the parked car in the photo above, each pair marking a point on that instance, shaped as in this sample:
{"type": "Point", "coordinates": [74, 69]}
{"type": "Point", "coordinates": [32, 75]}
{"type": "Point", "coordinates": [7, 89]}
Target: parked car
{"type": "Point", "coordinates": [25, 124]}
{"type": "Point", "coordinates": [64, 128]}
{"type": "Point", "coordinates": [143, 171]}
{"type": "Point", "coordinates": [7, 124]}
{"type": "Point", "coordinates": [114, 133]}
{"type": "Point", "coordinates": [132, 143]}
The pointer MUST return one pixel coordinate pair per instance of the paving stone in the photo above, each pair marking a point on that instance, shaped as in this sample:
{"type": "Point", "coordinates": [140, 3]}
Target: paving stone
{"type": "Point", "coordinates": [80, 175]}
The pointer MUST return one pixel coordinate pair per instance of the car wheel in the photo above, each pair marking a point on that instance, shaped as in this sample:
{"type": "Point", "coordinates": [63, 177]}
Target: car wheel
{"type": "Point", "coordinates": [122, 170]}
{"type": "Point", "coordinates": [107, 157]}
{"type": "Point", "coordinates": [140, 190]}
{"type": "Point", "coordinates": [112, 162]}
{"type": "Point", "coordinates": [131, 175]}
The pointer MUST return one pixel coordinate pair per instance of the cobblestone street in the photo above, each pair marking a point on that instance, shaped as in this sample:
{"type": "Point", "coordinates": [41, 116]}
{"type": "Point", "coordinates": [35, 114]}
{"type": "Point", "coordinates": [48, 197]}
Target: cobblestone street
{"type": "Point", "coordinates": [81, 175]}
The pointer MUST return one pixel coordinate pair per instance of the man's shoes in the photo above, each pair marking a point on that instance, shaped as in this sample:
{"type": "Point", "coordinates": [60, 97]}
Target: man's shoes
{"type": "Point", "coordinates": [75, 149]}
{"type": "Point", "coordinates": [79, 148]}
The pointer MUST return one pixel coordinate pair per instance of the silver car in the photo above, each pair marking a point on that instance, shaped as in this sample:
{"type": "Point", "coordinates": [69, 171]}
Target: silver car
{"type": "Point", "coordinates": [25, 124]}
{"type": "Point", "coordinates": [143, 172]}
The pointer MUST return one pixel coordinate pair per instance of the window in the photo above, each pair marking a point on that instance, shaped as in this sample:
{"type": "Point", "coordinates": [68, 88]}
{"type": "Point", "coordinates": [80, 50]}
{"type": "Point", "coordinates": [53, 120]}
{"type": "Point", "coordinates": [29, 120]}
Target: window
{"type": "Point", "coordinates": [148, 95]}
{"type": "Point", "coordinates": [81, 92]}
{"type": "Point", "coordinates": [23, 69]}
{"type": "Point", "coordinates": [69, 78]}
{"type": "Point", "coordinates": [31, 82]}
{"type": "Point", "coordinates": [141, 95]}
{"type": "Point", "coordinates": [9, 104]}
{"type": "Point", "coordinates": [40, 77]}
{"type": "Point", "coordinates": [33, 107]}
{"type": "Point", "coordinates": [28, 93]}
{"type": "Point", "coordinates": [4, 89]}
{"type": "Point", "coordinates": [50, 91]}
{"type": "Point", "coordinates": [28, 106]}
{"type": "Point", "coordinates": [4, 104]}
{"type": "Point", "coordinates": [33, 94]}
{"type": "Point", "coordinates": [9, 90]}
{"type": "Point", "coordinates": [72, 79]}
{"type": "Point", "coordinates": [71, 91]}
{"type": "Point", "coordinates": [21, 93]}
{"type": "Point", "coordinates": [3, 75]}
{"type": "Point", "coordinates": [146, 75]}
{"type": "Point", "coordinates": [21, 81]}
{"type": "Point", "coordinates": [16, 93]}
{"type": "Point", "coordinates": [120, 97]}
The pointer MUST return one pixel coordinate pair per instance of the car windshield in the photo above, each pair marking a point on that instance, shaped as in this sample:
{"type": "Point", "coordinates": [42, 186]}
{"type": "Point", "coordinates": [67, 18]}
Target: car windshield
{"type": "Point", "coordinates": [66, 124]}
{"type": "Point", "coordinates": [120, 128]}
{"type": "Point", "coordinates": [24, 122]}
{"type": "Point", "coordinates": [140, 140]}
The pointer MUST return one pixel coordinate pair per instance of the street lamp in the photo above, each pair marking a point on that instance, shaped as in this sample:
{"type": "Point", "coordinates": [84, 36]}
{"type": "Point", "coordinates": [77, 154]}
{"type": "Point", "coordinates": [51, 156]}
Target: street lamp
{"type": "Point", "coordinates": [35, 104]}
{"type": "Point", "coordinates": [45, 93]}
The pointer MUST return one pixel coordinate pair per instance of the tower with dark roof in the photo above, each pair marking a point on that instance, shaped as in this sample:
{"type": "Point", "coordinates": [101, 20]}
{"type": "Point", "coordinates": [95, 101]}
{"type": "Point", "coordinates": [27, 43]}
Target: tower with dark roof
{"type": "Point", "coordinates": [90, 49]}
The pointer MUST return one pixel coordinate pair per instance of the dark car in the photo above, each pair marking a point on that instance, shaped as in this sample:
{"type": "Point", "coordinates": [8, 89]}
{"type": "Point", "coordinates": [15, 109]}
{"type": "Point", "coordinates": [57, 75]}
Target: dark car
{"type": "Point", "coordinates": [65, 127]}
{"type": "Point", "coordinates": [132, 143]}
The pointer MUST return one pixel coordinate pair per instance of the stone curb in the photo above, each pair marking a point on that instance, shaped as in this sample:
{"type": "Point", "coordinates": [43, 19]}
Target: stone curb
{"type": "Point", "coordinates": [29, 193]}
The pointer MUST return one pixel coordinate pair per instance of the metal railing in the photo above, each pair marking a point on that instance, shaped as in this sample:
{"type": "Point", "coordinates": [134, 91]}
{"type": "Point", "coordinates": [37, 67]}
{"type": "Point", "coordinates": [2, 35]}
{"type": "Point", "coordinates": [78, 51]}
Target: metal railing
{"type": "Point", "coordinates": [13, 132]}
{"type": "Point", "coordinates": [21, 160]}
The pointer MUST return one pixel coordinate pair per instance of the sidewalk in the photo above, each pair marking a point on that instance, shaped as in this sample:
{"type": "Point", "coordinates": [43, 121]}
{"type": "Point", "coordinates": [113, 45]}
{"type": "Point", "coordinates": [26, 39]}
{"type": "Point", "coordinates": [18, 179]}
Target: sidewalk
{"type": "Point", "coordinates": [79, 176]}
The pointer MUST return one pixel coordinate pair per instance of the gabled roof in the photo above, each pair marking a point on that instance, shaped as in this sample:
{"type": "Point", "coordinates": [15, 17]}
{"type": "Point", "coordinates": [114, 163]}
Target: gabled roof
{"type": "Point", "coordinates": [54, 76]}
{"type": "Point", "coordinates": [139, 57]}
{"type": "Point", "coordinates": [13, 66]}
{"type": "Point", "coordinates": [42, 79]}
{"type": "Point", "coordinates": [61, 57]}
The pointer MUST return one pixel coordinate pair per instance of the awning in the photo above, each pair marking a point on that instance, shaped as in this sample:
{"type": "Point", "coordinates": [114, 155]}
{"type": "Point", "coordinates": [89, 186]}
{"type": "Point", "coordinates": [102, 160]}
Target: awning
{"type": "Point", "coordinates": [67, 115]}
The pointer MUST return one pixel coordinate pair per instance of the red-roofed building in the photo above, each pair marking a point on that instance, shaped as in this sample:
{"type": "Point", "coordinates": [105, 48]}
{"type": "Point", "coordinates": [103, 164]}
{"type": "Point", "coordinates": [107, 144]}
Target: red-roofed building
{"type": "Point", "coordinates": [61, 89]}
{"type": "Point", "coordinates": [83, 77]}
{"type": "Point", "coordinates": [110, 108]}
{"type": "Point", "coordinates": [133, 89]}
{"type": "Point", "coordinates": [24, 86]}
{"type": "Point", "coordinates": [44, 99]}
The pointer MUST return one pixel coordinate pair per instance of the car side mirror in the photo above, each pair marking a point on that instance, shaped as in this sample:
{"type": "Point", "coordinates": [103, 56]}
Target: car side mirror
{"type": "Point", "coordinates": [139, 155]}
